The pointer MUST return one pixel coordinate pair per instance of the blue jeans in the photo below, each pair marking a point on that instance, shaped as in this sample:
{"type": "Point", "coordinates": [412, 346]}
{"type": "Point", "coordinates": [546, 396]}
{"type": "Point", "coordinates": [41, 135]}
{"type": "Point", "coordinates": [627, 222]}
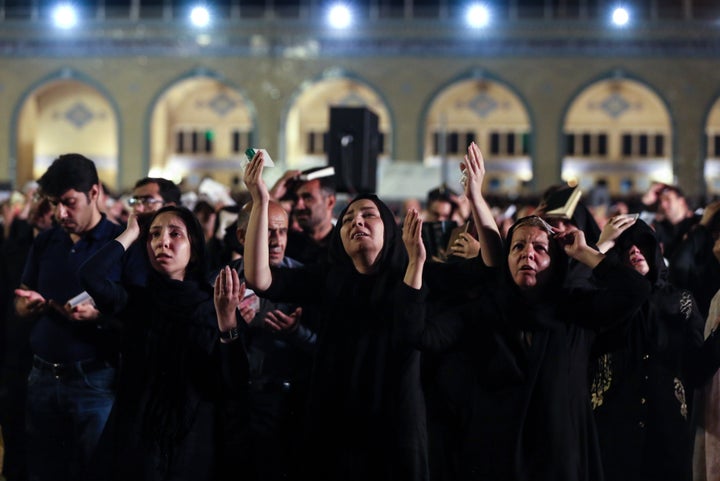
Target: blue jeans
{"type": "Point", "coordinates": [65, 416]}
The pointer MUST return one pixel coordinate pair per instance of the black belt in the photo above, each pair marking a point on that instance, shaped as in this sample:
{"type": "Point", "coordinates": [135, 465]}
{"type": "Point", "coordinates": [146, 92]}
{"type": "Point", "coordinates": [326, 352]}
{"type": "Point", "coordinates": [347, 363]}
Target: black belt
{"type": "Point", "coordinates": [269, 386]}
{"type": "Point", "coordinates": [69, 369]}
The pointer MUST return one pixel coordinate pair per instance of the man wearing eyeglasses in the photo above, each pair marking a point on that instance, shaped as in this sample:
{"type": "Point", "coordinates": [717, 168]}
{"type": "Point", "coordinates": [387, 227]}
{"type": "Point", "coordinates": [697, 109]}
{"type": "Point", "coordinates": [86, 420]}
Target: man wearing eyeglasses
{"type": "Point", "coordinates": [152, 193]}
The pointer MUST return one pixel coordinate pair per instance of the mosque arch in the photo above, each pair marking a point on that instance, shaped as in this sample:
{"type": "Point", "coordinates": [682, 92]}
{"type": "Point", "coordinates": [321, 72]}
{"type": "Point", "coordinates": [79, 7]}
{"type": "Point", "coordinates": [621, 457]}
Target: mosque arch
{"type": "Point", "coordinates": [66, 111]}
{"type": "Point", "coordinates": [479, 107]}
{"type": "Point", "coordinates": [199, 126]}
{"type": "Point", "coordinates": [711, 149]}
{"type": "Point", "coordinates": [617, 132]}
{"type": "Point", "coordinates": [306, 121]}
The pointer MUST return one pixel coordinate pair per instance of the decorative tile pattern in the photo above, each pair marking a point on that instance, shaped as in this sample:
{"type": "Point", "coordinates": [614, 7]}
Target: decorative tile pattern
{"type": "Point", "coordinates": [79, 115]}
{"type": "Point", "coordinates": [222, 104]}
{"type": "Point", "coordinates": [482, 104]}
{"type": "Point", "coordinates": [615, 105]}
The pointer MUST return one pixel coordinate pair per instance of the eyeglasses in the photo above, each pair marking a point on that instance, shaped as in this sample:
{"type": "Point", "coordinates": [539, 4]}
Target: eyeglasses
{"type": "Point", "coordinates": [146, 201]}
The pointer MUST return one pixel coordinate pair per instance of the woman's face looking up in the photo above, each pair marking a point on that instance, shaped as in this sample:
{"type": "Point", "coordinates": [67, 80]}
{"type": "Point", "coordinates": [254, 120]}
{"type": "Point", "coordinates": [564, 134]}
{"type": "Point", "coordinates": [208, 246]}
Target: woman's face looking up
{"type": "Point", "coordinates": [529, 258]}
{"type": "Point", "coordinates": [362, 231]}
{"type": "Point", "coordinates": [168, 246]}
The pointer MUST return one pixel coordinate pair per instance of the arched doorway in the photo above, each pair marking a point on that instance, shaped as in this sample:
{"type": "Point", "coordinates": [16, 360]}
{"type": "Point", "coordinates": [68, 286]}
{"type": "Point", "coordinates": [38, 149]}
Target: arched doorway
{"type": "Point", "coordinates": [486, 112]}
{"type": "Point", "coordinates": [308, 119]}
{"type": "Point", "coordinates": [712, 159]}
{"type": "Point", "coordinates": [62, 116]}
{"type": "Point", "coordinates": [200, 127]}
{"type": "Point", "coordinates": [618, 132]}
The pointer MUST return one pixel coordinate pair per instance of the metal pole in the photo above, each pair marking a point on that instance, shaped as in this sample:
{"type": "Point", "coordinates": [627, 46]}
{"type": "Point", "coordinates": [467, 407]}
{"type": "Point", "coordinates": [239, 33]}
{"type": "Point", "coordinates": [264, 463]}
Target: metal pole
{"type": "Point", "coordinates": [442, 147]}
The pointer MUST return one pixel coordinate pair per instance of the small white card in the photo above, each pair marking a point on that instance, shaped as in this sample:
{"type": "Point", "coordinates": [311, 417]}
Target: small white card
{"type": "Point", "coordinates": [81, 298]}
{"type": "Point", "coordinates": [267, 160]}
{"type": "Point", "coordinates": [250, 300]}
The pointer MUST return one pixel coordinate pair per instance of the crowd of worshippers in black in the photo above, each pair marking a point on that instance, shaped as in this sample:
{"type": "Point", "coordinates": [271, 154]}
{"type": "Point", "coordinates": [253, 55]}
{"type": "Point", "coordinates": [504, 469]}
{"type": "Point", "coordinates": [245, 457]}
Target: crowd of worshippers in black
{"type": "Point", "coordinates": [293, 335]}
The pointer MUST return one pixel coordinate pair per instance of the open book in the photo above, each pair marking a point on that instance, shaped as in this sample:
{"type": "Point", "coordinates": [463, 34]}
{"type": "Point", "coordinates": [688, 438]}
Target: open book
{"type": "Point", "coordinates": [317, 174]}
{"type": "Point", "coordinates": [562, 203]}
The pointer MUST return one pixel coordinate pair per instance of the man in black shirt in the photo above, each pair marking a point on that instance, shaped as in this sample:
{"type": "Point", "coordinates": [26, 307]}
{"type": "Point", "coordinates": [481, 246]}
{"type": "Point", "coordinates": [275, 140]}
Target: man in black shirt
{"type": "Point", "coordinates": [674, 218]}
{"type": "Point", "coordinates": [314, 201]}
{"type": "Point", "coordinates": [71, 384]}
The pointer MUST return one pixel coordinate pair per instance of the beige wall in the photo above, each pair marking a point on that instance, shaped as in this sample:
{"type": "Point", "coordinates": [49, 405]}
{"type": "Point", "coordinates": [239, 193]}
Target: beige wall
{"type": "Point", "coordinates": [406, 84]}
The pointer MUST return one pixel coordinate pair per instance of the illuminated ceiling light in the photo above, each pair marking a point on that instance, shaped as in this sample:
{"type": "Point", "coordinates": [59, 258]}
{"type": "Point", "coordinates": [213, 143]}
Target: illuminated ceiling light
{"type": "Point", "coordinates": [620, 16]}
{"type": "Point", "coordinates": [477, 15]}
{"type": "Point", "coordinates": [200, 16]}
{"type": "Point", "coordinates": [339, 16]}
{"type": "Point", "coordinates": [65, 16]}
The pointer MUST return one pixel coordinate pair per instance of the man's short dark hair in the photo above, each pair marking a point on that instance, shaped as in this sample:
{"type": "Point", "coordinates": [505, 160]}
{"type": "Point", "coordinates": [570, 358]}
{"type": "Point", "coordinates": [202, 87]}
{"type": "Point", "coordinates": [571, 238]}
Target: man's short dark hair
{"type": "Point", "coordinates": [327, 183]}
{"type": "Point", "coordinates": [443, 194]}
{"type": "Point", "coordinates": [671, 188]}
{"type": "Point", "coordinates": [168, 190]}
{"type": "Point", "coordinates": [69, 171]}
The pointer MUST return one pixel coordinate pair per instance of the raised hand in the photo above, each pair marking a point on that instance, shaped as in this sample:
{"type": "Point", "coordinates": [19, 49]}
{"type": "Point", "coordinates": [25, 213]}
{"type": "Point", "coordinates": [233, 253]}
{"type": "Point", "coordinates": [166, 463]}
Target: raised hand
{"type": "Point", "coordinates": [612, 230]}
{"type": "Point", "coordinates": [572, 241]}
{"type": "Point", "coordinates": [131, 232]}
{"type": "Point", "coordinates": [574, 244]}
{"type": "Point", "coordinates": [473, 169]}
{"type": "Point", "coordinates": [280, 188]}
{"type": "Point", "coordinates": [227, 295]}
{"type": "Point", "coordinates": [253, 178]}
{"type": "Point", "coordinates": [709, 212]}
{"type": "Point", "coordinates": [412, 238]}
{"type": "Point", "coordinates": [465, 246]}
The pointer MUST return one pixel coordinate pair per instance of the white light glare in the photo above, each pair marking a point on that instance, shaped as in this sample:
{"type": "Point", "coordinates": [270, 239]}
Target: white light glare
{"type": "Point", "coordinates": [478, 15]}
{"type": "Point", "coordinates": [339, 16]}
{"type": "Point", "coordinates": [620, 16]}
{"type": "Point", "coordinates": [200, 16]}
{"type": "Point", "coordinates": [65, 16]}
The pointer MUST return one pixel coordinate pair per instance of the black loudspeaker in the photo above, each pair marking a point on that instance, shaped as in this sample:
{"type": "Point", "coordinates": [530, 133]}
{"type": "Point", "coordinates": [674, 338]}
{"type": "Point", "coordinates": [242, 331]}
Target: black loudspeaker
{"type": "Point", "coordinates": [353, 148]}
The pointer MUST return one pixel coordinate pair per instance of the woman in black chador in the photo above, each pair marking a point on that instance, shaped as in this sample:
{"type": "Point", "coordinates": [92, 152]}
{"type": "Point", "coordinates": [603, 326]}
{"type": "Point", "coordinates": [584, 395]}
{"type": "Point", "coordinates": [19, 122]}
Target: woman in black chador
{"type": "Point", "coordinates": [180, 369]}
{"type": "Point", "coordinates": [366, 413]}
{"type": "Point", "coordinates": [647, 371]}
{"type": "Point", "coordinates": [524, 346]}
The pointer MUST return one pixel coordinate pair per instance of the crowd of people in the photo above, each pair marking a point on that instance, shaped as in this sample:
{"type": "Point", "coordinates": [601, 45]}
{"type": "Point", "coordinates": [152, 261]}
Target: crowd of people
{"type": "Point", "coordinates": [290, 334]}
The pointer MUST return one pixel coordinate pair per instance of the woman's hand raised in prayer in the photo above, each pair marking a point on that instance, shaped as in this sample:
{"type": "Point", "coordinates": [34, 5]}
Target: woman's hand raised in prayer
{"type": "Point", "coordinates": [412, 238]}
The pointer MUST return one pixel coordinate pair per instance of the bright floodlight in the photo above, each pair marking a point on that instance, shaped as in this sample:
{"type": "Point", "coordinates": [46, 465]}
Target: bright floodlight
{"type": "Point", "coordinates": [620, 16]}
{"type": "Point", "coordinates": [64, 16]}
{"type": "Point", "coordinates": [339, 16]}
{"type": "Point", "coordinates": [200, 16]}
{"type": "Point", "coordinates": [477, 15]}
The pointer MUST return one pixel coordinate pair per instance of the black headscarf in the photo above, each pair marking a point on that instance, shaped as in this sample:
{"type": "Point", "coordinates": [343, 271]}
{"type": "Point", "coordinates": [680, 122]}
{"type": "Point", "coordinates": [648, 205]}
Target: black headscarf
{"type": "Point", "coordinates": [558, 258]}
{"type": "Point", "coordinates": [663, 308]}
{"type": "Point", "coordinates": [643, 236]}
{"type": "Point", "coordinates": [584, 220]}
{"type": "Point", "coordinates": [182, 324]}
{"type": "Point", "coordinates": [196, 269]}
{"type": "Point", "coordinates": [390, 263]}
{"type": "Point", "coordinates": [353, 361]}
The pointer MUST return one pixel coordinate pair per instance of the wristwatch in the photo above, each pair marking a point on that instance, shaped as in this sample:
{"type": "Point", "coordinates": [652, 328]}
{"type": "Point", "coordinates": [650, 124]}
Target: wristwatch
{"type": "Point", "coordinates": [230, 335]}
